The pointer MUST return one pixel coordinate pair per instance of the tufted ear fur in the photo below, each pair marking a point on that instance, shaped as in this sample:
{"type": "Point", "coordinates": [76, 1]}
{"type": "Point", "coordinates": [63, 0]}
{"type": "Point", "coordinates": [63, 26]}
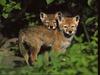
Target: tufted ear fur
{"type": "Point", "coordinates": [43, 16]}
{"type": "Point", "coordinates": [76, 18]}
{"type": "Point", "coordinates": [59, 16]}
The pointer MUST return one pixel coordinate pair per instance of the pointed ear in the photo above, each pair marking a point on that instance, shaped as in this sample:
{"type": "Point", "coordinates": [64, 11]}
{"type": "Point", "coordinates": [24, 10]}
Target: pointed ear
{"type": "Point", "coordinates": [42, 16]}
{"type": "Point", "coordinates": [59, 16]}
{"type": "Point", "coordinates": [76, 18]}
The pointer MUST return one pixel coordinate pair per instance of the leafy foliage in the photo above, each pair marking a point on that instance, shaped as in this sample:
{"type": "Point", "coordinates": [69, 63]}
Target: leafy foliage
{"type": "Point", "coordinates": [49, 1]}
{"type": "Point", "coordinates": [2, 2]}
{"type": "Point", "coordinates": [8, 7]}
{"type": "Point", "coordinates": [80, 58]}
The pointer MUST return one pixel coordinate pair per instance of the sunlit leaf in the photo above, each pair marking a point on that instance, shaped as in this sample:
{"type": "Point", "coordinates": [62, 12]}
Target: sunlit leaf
{"type": "Point", "coordinates": [89, 2]}
{"type": "Point", "coordinates": [2, 2]}
{"type": "Point", "coordinates": [17, 6]}
{"type": "Point", "coordinates": [49, 1]}
{"type": "Point", "coordinates": [90, 20]}
{"type": "Point", "coordinates": [5, 15]}
{"type": "Point", "coordinates": [46, 58]}
{"type": "Point", "coordinates": [79, 39]}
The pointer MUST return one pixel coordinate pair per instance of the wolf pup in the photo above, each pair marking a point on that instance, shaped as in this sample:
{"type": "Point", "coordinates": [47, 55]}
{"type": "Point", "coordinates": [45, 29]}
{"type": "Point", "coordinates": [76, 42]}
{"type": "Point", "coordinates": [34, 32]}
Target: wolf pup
{"type": "Point", "coordinates": [35, 37]}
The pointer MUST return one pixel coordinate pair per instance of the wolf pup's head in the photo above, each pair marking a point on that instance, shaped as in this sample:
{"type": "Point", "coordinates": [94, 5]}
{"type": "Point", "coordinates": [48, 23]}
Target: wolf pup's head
{"type": "Point", "coordinates": [68, 24]}
{"type": "Point", "coordinates": [49, 20]}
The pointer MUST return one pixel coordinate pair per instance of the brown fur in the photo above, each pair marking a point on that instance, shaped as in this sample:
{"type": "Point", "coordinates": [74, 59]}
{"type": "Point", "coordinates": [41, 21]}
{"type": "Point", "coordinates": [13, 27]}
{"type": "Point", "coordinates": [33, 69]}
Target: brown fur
{"type": "Point", "coordinates": [49, 20]}
{"type": "Point", "coordinates": [38, 36]}
{"type": "Point", "coordinates": [68, 24]}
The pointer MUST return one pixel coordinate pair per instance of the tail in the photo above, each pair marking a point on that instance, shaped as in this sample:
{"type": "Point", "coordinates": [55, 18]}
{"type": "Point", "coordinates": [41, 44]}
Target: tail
{"type": "Point", "coordinates": [23, 51]}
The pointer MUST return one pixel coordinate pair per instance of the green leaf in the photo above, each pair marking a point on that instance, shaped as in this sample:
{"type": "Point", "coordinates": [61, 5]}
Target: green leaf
{"type": "Point", "coordinates": [8, 8]}
{"type": "Point", "coordinates": [49, 1]}
{"type": "Point", "coordinates": [39, 61]}
{"type": "Point", "coordinates": [17, 6]}
{"type": "Point", "coordinates": [2, 2]}
{"type": "Point", "coordinates": [78, 39]}
{"type": "Point", "coordinates": [71, 71]}
{"type": "Point", "coordinates": [46, 58]}
{"type": "Point", "coordinates": [90, 20]}
{"type": "Point", "coordinates": [75, 49]}
{"type": "Point", "coordinates": [89, 2]}
{"type": "Point", "coordinates": [5, 15]}
{"type": "Point", "coordinates": [96, 33]}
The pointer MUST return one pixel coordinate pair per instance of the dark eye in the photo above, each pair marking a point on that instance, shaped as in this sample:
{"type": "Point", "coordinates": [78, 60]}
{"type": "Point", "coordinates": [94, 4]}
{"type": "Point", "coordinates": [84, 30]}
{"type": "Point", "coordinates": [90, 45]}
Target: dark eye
{"type": "Point", "coordinates": [65, 26]}
{"type": "Point", "coordinates": [72, 26]}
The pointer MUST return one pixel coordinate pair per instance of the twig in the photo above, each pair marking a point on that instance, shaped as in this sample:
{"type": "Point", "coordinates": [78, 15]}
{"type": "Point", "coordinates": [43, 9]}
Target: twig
{"type": "Point", "coordinates": [86, 33]}
{"type": "Point", "coordinates": [7, 43]}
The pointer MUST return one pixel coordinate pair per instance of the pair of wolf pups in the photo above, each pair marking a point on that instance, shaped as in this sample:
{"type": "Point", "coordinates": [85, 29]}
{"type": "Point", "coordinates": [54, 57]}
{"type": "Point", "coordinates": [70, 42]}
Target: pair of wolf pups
{"type": "Point", "coordinates": [57, 31]}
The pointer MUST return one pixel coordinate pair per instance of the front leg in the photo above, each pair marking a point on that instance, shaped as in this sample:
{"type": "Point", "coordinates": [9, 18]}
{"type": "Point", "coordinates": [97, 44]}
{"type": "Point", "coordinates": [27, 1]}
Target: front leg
{"type": "Point", "coordinates": [33, 54]}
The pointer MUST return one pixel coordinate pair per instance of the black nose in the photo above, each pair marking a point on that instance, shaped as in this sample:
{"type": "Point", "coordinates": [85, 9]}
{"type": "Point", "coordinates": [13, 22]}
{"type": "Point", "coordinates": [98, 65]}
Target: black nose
{"type": "Point", "coordinates": [70, 31]}
{"type": "Point", "coordinates": [51, 26]}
